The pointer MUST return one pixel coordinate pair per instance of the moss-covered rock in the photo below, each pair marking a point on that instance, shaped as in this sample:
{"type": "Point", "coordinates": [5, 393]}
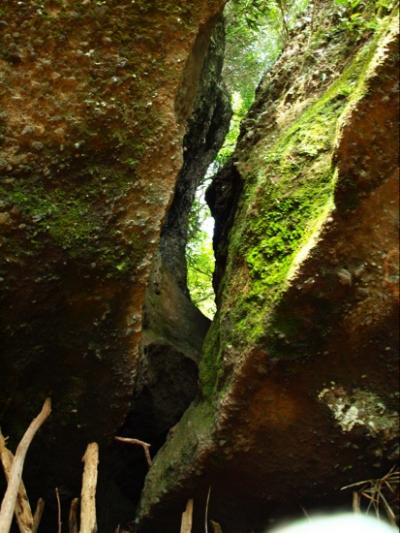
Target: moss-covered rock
{"type": "Point", "coordinates": [306, 317]}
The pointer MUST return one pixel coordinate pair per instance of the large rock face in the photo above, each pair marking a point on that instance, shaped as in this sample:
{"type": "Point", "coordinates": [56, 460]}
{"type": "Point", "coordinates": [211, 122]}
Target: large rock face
{"type": "Point", "coordinates": [94, 98]}
{"type": "Point", "coordinates": [298, 374]}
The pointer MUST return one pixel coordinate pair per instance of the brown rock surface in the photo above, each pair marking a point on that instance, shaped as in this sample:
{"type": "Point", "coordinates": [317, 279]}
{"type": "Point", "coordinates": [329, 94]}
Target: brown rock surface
{"type": "Point", "coordinates": [94, 100]}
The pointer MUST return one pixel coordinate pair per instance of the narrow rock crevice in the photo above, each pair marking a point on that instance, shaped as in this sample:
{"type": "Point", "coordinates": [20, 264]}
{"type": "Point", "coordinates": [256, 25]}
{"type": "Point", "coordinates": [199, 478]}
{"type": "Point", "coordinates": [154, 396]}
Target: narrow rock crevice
{"type": "Point", "coordinates": [173, 328]}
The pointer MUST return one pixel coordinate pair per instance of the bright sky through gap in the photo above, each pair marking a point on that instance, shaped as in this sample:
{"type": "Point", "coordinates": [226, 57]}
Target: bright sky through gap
{"type": "Point", "coordinates": [208, 227]}
{"type": "Point", "coordinates": [209, 223]}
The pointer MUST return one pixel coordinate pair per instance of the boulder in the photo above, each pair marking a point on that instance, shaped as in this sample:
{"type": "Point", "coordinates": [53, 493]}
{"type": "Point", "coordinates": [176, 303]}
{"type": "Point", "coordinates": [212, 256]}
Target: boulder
{"type": "Point", "coordinates": [95, 99]}
{"type": "Point", "coordinates": [299, 369]}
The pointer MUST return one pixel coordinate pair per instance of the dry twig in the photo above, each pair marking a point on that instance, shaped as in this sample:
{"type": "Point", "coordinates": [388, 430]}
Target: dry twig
{"type": "Point", "coordinates": [59, 523]}
{"type": "Point", "coordinates": [207, 507]}
{"type": "Point", "coordinates": [37, 517]}
{"type": "Point", "coordinates": [13, 486]}
{"type": "Point", "coordinates": [377, 492]}
{"type": "Point", "coordinates": [216, 526]}
{"type": "Point", "coordinates": [88, 494]}
{"type": "Point", "coordinates": [356, 502]}
{"type": "Point", "coordinates": [23, 513]}
{"type": "Point", "coordinates": [73, 516]}
{"type": "Point", "coordinates": [145, 445]}
{"type": "Point", "coordinates": [187, 518]}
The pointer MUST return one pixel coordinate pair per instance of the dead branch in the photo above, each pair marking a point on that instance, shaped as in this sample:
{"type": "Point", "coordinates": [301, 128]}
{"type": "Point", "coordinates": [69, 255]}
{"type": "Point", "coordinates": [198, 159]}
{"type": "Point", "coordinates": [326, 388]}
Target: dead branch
{"type": "Point", "coordinates": [88, 494]}
{"type": "Point", "coordinates": [10, 497]}
{"type": "Point", "coordinates": [37, 517]}
{"type": "Point", "coordinates": [73, 516]}
{"type": "Point", "coordinates": [187, 518]}
{"type": "Point", "coordinates": [356, 502]}
{"type": "Point", "coordinates": [207, 508]}
{"type": "Point", "coordinates": [145, 445]}
{"type": "Point", "coordinates": [23, 513]}
{"type": "Point", "coordinates": [373, 491]}
{"type": "Point", "coordinates": [59, 523]}
{"type": "Point", "coordinates": [216, 526]}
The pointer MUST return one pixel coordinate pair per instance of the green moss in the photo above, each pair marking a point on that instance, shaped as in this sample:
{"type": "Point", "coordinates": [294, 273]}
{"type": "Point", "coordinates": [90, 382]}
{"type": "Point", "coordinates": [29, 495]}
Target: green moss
{"type": "Point", "coordinates": [289, 193]}
{"type": "Point", "coordinates": [210, 365]}
{"type": "Point", "coordinates": [74, 220]}
{"type": "Point", "coordinates": [176, 457]}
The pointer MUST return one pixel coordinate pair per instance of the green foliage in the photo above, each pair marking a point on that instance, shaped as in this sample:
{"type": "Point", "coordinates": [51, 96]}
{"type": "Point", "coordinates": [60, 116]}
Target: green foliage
{"type": "Point", "coordinates": [253, 43]}
{"type": "Point", "coordinates": [256, 34]}
{"type": "Point", "coordinates": [200, 256]}
{"type": "Point", "coordinates": [359, 16]}
{"type": "Point", "coordinates": [239, 108]}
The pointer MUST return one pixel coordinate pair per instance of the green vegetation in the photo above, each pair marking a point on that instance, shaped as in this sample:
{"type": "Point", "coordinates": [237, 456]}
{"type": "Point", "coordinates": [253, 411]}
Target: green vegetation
{"type": "Point", "coordinates": [357, 16]}
{"type": "Point", "coordinates": [256, 34]}
{"type": "Point", "coordinates": [240, 108]}
{"type": "Point", "coordinates": [73, 220]}
{"type": "Point", "coordinates": [200, 256]}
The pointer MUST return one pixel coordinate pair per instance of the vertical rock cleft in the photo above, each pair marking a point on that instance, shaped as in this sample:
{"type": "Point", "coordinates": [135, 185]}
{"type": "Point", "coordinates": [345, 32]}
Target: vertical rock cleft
{"type": "Point", "coordinates": [174, 329]}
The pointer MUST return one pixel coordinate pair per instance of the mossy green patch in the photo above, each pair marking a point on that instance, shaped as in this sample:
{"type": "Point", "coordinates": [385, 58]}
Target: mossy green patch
{"type": "Point", "coordinates": [173, 460]}
{"type": "Point", "coordinates": [75, 220]}
{"type": "Point", "coordinates": [288, 195]}
{"type": "Point", "coordinates": [210, 365]}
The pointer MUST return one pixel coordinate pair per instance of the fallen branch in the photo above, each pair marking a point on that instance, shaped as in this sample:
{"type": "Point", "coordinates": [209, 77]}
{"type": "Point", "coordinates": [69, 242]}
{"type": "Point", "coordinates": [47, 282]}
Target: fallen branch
{"type": "Point", "coordinates": [10, 497]}
{"type": "Point", "coordinates": [356, 502]}
{"type": "Point", "coordinates": [23, 513]}
{"type": "Point", "coordinates": [187, 518]}
{"type": "Point", "coordinates": [145, 445]}
{"type": "Point", "coordinates": [88, 494]}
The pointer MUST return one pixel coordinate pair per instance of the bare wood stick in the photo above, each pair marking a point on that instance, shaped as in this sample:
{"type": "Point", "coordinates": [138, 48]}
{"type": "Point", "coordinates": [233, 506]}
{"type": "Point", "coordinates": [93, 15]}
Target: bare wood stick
{"type": "Point", "coordinates": [145, 445]}
{"type": "Point", "coordinates": [23, 513]}
{"type": "Point", "coordinates": [187, 518]}
{"type": "Point", "coordinates": [207, 508]}
{"type": "Point", "coordinates": [217, 527]}
{"type": "Point", "coordinates": [356, 502]}
{"type": "Point", "coordinates": [37, 517]}
{"type": "Point", "coordinates": [73, 516]}
{"type": "Point", "coordinates": [88, 494]}
{"type": "Point", "coordinates": [59, 523]}
{"type": "Point", "coordinates": [10, 497]}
